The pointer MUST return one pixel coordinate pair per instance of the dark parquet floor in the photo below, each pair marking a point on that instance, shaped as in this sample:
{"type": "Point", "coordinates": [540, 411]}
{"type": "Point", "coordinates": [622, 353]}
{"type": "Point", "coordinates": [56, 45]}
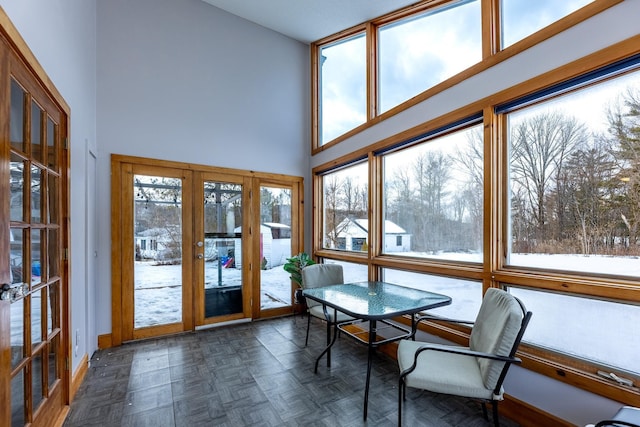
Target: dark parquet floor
{"type": "Point", "coordinates": [253, 374]}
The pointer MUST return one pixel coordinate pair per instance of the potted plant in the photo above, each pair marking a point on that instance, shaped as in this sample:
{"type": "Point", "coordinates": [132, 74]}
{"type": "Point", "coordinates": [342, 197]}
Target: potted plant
{"type": "Point", "coordinates": [294, 266]}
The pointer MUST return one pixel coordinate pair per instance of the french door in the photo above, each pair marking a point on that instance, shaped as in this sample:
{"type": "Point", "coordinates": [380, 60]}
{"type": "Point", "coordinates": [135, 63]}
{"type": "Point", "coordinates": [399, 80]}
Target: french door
{"type": "Point", "coordinates": [33, 175]}
{"type": "Point", "coordinates": [196, 246]}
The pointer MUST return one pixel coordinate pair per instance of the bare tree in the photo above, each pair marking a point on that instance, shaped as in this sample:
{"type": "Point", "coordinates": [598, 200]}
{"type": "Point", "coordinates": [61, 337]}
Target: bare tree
{"type": "Point", "coordinates": [539, 147]}
{"type": "Point", "coordinates": [624, 128]}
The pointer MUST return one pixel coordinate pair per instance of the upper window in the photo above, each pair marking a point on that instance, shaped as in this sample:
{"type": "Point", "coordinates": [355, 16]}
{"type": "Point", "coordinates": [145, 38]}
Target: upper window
{"type": "Point", "coordinates": [521, 18]}
{"type": "Point", "coordinates": [421, 51]}
{"type": "Point", "coordinates": [574, 174]}
{"type": "Point", "coordinates": [433, 194]}
{"type": "Point", "coordinates": [342, 87]}
{"type": "Point", "coordinates": [345, 219]}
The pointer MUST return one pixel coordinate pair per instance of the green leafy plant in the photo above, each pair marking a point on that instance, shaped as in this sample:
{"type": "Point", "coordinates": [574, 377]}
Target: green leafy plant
{"type": "Point", "coordinates": [295, 264]}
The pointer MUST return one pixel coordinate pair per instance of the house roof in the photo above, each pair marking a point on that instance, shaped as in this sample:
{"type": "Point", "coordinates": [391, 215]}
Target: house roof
{"type": "Point", "coordinates": [389, 226]}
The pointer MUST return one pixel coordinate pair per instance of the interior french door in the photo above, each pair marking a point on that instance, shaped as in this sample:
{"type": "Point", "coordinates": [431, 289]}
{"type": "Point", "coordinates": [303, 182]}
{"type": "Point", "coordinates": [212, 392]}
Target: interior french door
{"type": "Point", "coordinates": [195, 247]}
{"type": "Point", "coordinates": [33, 173]}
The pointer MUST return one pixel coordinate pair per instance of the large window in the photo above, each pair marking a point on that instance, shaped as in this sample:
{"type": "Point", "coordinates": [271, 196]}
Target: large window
{"type": "Point", "coordinates": [392, 62]}
{"type": "Point", "coordinates": [345, 207]}
{"type": "Point", "coordinates": [575, 181]}
{"type": "Point", "coordinates": [521, 18]}
{"type": "Point", "coordinates": [419, 52]}
{"type": "Point", "coordinates": [537, 195]}
{"type": "Point", "coordinates": [433, 195]}
{"type": "Point", "coordinates": [602, 332]}
{"type": "Point", "coordinates": [342, 87]}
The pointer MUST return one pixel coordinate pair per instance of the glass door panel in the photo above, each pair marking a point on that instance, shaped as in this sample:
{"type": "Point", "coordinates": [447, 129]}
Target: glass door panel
{"type": "Point", "coordinates": [158, 290]}
{"type": "Point", "coordinates": [221, 249]}
{"type": "Point", "coordinates": [275, 246]}
{"type": "Point", "coordinates": [33, 288]}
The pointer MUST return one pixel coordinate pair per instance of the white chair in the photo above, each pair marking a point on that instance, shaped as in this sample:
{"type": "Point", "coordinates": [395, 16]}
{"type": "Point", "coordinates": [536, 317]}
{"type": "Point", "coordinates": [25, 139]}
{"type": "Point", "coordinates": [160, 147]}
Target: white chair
{"type": "Point", "coordinates": [627, 416]}
{"type": "Point", "coordinates": [477, 371]}
{"type": "Point", "coordinates": [317, 275]}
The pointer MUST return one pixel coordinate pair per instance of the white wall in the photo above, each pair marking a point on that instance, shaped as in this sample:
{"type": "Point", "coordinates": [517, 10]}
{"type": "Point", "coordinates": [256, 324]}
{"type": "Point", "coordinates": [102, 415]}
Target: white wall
{"type": "Point", "coordinates": [181, 80]}
{"type": "Point", "coordinates": [61, 34]}
{"type": "Point", "coordinates": [615, 24]}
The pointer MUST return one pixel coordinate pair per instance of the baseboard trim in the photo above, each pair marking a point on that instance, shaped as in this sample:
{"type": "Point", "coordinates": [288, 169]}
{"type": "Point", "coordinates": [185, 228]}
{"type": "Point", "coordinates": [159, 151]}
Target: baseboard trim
{"type": "Point", "coordinates": [78, 376]}
{"type": "Point", "coordinates": [527, 415]}
{"type": "Point", "coordinates": [104, 341]}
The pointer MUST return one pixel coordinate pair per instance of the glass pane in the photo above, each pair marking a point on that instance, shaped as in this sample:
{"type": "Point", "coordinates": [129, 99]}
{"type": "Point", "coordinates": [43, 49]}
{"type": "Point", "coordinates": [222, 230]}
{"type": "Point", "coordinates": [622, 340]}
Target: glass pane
{"type": "Point", "coordinates": [17, 332]}
{"type": "Point", "coordinates": [53, 361]}
{"type": "Point", "coordinates": [16, 185]}
{"type": "Point", "coordinates": [222, 248]}
{"type": "Point", "coordinates": [575, 182]}
{"type": "Point", "coordinates": [419, 52]}
{"type": "Point", "coordinates": [52, 152]}
{"type": "Point", "coordinates": [600, 331]}
{"type": "Point", "coordinates": [433, 195]}
{"type": "Point", "coordinates": [346, 209]}
{"type": "Point", "coordinates": [343, 83]}
{"type": "Point", "coordinates": [158, 272]}
{"type": "Point", "coordinates": [17, 400]}
{"type": "Point", "coordinates": [36, 254]}
{"type": "Point", "coordinates": [275, 246]}
{"type": "Point", "coordinates": [36, 189]}
{"type": "Point", "coordinates": [36, 132]}
{"type": "Point", "coordinates": [53, 307]}
{"type": "Point", "coordinates": [36, 317]}
{"type": "Point", "coordinates": [351, 271]}
{"type": "Point", "coordinates": [37, 391]}
{"type": "Point", "coordinates": [521, 18]}
{"type": "Point", "coordinates": [53, 253]}
{"type": "Point", "coordinates": [16, 126]}
{"type": "Point", "coordinates": [466, 295]}
{"type": "Point", "coordinates": [53, 214]}
{"type": "Point", "coordinates": [16, 255]}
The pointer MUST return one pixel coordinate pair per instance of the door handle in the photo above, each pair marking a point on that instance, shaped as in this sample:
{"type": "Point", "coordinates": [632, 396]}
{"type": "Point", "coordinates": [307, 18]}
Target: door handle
{"type": "Point", "coordinates": [200, 256]}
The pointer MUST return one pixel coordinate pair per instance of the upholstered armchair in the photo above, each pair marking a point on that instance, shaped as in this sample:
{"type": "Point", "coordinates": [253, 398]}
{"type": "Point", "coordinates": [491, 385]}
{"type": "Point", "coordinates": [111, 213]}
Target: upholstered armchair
{"type": "Point", "coordinates": [477, 371]}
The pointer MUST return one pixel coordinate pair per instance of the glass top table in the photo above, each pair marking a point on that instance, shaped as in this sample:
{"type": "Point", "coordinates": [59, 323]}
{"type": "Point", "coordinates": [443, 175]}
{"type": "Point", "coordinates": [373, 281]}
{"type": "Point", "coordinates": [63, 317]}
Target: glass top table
{"type": "Point", "coordinates": [372, 302]}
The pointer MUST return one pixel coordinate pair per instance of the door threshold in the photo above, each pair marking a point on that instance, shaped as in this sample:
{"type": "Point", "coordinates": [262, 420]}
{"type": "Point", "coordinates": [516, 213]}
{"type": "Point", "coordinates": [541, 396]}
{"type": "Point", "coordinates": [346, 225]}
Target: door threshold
{"type": "Point", "coordinates": [229, 322]}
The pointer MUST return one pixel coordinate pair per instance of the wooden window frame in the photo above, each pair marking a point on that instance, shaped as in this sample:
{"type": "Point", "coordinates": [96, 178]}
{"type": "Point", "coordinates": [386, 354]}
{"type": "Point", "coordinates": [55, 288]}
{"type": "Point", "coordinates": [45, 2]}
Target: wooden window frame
{"type": "Point", "coordinates": [492, 54]}
{"type": "Point", "coordinates": [492, 272]}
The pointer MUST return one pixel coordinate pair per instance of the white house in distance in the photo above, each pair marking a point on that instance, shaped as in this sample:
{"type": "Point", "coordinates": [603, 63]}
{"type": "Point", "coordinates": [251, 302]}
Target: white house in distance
{"type": "Point", "coordinates": [352, 234]}
{"type": "Point", "coordinates": [275, 244]}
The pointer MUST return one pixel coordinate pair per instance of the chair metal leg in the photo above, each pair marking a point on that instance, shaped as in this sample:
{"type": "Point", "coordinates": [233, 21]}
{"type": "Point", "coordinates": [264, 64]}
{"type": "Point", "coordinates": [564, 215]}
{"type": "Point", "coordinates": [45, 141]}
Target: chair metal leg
{"type": "Point", "coordinates": [401, 396]}
{"type": "Point", "coordinates": [496, 420]}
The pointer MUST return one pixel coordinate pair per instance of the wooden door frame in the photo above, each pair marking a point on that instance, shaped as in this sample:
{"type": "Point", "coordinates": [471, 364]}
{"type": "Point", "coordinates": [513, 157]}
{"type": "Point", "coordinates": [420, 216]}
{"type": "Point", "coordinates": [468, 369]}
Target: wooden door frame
{"type": "Point", "coordinates": [121, 217]}
{"type": "Point", "coordinates": [19, 50]}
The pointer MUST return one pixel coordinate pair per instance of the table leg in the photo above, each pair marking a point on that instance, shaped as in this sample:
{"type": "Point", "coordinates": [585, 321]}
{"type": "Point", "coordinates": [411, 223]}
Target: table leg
{"type": "Point", "coordinates": [371, 350]}
{"type": "Point", "coordinates": [327, 350]}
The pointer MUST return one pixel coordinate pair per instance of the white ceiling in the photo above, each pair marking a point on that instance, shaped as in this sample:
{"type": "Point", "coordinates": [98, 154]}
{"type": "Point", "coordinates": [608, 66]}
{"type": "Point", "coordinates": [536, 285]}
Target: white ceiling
{"type": "Point", "coordinates": [309, 20]}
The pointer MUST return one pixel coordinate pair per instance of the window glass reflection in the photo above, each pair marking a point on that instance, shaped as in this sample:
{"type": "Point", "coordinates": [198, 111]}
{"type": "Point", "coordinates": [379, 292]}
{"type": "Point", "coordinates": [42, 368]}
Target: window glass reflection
{"type": "Point", "coordinates": [521, 18]}
{"type": "Point", "coordinates": [346, 209]}
{"type": "Point", "coordinates": [466, 295]}
{"type": "Point", "coordinates": [433, 195]}
{"type": "Point", "coordinates": [343, 82]}
{"type": "Point", "coordinates": [421, 51]}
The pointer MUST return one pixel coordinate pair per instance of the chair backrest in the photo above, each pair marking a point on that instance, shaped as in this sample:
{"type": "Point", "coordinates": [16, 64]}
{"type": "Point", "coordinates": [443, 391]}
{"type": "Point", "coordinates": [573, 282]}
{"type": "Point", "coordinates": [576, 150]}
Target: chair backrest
{"type": "Point", "coordinates": [317, 275]}
{"type": "Point", "coordinates": [498, 329]}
